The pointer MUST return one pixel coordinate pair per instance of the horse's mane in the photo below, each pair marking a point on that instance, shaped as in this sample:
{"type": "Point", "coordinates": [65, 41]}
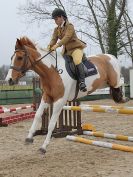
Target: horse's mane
{"type": "Point", "coordinates": [27, 42]}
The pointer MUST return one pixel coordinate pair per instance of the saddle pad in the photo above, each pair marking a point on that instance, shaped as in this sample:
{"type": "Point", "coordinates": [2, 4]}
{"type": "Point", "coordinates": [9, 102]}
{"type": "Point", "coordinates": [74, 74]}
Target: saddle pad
{"type": "Point", "coordinates": [89, 68]}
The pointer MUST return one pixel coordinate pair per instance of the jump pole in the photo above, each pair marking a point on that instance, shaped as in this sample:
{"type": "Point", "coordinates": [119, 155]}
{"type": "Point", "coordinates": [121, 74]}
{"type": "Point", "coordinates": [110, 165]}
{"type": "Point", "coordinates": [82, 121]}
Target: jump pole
{"type": "Point", "coordinates": [15, 118]}
{"type": "Point", "coordinates": [108, 135]}
{"type": "Point", "coordinates": [16, 109]}
{"type": "Point", "coordinates": [94, 109]}
{"type": "Point", "coordinates": [106, 106]}
{"type": "Point", "coordinates": [100, 143]}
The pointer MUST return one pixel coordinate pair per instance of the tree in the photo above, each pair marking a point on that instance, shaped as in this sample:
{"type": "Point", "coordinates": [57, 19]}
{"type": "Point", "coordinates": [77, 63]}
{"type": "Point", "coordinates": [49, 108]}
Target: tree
{"type": "Point", "coordinates": [104, 22]}
{"type": "Point", "coordinates": [127, 42]}
{"type": "Point", "coordinates": [3, 72]}
{"type": "Point", "coordinates": [113, 26]}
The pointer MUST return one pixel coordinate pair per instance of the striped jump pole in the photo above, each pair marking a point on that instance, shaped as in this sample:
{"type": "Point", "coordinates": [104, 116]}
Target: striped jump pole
{"type": "Point", "coordinates": [106, 106]}
{"type": "Point", "coordinates": [94, 109]}
{"type": "Point", "coordinates": [15, 109]}
{"type": "Point", "coordinates": [108, 135]}
{"type": "Point", "coordinates": [2, 107]}
{"type": "Point", "coordinates": [100, 143]}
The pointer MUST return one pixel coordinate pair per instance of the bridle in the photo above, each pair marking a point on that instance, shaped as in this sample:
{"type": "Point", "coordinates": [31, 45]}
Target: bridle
{"type": "Point", "coordinates": [26, 58]}
{"type": "Point", "coordinates": [23, 68]}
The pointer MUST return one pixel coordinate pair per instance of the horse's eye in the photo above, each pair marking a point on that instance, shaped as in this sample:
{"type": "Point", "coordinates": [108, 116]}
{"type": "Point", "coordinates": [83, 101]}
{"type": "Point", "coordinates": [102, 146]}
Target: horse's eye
{"type": "Point", "coordinates": [19, 58]}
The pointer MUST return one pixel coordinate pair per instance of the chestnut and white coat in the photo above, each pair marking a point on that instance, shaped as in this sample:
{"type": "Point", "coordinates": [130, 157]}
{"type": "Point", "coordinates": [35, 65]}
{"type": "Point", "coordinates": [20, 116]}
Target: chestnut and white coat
{"type": "Point", "coordinates": [58, 88]}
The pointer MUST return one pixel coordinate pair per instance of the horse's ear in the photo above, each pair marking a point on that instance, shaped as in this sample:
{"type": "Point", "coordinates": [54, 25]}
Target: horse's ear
{"type": "Point", "coordinates": [18, 44]}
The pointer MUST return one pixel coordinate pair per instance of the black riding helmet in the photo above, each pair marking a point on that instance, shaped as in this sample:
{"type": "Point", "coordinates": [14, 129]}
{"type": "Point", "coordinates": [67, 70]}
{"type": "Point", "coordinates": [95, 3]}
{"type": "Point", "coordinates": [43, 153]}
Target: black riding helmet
{"type": "Point", "coordinates": [58, 13]}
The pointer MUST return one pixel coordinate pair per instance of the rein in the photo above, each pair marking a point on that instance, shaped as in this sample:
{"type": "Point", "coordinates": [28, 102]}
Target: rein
{"type": "Point", "coordinates": [42, 57]}
{"type": "Point", "coordinates": [60, 71]}
{"type": "Point", "coordinates": [26, 56]}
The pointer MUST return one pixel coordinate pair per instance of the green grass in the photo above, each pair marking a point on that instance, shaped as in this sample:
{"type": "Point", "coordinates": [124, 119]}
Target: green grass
{"type": "Point", "coordinates": [16, 87]}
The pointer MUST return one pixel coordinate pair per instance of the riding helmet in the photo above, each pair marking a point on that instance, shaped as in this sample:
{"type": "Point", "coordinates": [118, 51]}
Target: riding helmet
{"type": "Point", "coordinates": [58, 13]}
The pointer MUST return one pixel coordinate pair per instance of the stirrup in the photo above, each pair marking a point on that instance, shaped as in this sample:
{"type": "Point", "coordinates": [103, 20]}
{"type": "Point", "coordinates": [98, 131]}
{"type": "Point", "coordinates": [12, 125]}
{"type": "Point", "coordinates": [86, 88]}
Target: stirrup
{"type": "Point", "coordinates": [82, 87]}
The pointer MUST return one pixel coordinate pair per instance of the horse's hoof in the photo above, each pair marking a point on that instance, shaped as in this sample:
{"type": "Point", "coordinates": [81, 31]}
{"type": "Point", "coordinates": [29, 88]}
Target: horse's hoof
{"type": "Point", "coordinates": [124, 100]}
{"type": "Point", "coordinates": [127, 99]}
{"type": "Point", "coordinates": [42, 151]}
{"type": "Point", "coordinates": [29, 140]}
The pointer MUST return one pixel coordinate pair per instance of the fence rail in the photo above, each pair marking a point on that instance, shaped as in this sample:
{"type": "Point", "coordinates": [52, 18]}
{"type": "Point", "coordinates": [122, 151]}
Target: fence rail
{"type": "Point", "coordinates": [16, 94]}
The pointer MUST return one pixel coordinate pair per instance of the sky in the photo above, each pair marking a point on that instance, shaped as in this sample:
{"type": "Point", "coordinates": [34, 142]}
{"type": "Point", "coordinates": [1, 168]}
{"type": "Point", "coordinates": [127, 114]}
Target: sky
{"type": "Point", "coordinates": [12, 26]}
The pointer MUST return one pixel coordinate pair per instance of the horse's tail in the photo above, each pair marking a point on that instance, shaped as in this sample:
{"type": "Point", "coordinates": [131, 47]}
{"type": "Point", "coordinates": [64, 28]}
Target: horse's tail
{"type": "Point", "coordinates": [117, 95]}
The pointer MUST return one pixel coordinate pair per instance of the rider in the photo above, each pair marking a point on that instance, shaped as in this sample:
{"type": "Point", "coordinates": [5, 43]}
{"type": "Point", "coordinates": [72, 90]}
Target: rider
{"type": "Point", "coordinates": [71, 44]}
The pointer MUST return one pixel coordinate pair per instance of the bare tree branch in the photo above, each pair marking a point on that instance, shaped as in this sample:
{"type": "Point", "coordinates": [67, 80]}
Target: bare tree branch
{"type": "Point", "coordinates": [97, 27]}
{"type": "Point", "coordinates": [105, 22]}
{"type": "Point", "coordinates": [121, 12]}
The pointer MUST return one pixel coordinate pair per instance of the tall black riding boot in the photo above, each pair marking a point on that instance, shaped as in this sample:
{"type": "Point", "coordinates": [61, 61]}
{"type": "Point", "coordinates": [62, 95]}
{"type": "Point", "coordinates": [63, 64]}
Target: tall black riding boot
{"type": "Point", "coordinates": [81, 77]}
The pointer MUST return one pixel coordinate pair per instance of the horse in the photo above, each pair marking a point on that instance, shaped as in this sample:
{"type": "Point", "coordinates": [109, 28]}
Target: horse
{"type": "Point", "coordinates": [59, 87]}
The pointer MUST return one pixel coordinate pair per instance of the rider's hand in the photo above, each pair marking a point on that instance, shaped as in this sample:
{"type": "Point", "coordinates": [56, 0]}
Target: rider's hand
{"type": "Point", "coordinates": [48, 47]}
{"type": "Point", "coordinates": [54, 47]}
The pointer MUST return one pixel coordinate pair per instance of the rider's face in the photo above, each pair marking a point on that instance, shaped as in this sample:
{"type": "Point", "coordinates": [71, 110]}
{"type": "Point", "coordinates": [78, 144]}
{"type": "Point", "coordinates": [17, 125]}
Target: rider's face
{"type": "Point", "coordinates": [59, 20]}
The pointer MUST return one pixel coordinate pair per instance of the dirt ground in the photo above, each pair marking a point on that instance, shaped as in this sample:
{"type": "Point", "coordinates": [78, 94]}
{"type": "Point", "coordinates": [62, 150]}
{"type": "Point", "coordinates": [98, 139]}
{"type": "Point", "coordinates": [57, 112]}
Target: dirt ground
{"type": "Point", "coordinates": [65, 158]}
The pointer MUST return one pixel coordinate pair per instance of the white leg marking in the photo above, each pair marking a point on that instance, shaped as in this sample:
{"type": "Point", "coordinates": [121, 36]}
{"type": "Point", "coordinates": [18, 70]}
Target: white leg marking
{"type": "Point", "coordinates": [37, 118]}
{"type": "Point", "coordinates": [57, 107]}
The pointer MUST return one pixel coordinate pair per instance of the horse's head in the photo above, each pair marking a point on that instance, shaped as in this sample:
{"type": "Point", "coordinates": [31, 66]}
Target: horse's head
{"type": "Point", "coordinates": [21, 60]}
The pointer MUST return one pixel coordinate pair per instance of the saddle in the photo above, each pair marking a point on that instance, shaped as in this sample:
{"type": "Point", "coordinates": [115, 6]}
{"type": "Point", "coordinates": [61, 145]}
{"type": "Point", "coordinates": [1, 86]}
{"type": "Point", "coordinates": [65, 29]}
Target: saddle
{"type": "Point", "coordinates": [89, 68]}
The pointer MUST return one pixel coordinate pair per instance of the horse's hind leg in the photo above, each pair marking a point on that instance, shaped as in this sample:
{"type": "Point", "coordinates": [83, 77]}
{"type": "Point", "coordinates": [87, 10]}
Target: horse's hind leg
{"type": "Point", "coordinates": [116, 89]}
{"type": "Point", "coordinates": [118, 95]}
{"type": "Point", "coordinates": [114, 81]}
{"type": "Point", "coordinates": [36, 120]}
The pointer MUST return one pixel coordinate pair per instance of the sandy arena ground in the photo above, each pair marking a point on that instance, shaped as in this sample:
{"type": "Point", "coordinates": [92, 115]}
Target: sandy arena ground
{"type": "Point", "coordinates": [65, 158]}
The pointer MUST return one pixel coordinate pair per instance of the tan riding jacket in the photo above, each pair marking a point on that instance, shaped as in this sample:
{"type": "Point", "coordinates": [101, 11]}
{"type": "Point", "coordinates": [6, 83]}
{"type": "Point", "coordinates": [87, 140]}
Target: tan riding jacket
{"type": "Point", "coordinates": [68, 38]}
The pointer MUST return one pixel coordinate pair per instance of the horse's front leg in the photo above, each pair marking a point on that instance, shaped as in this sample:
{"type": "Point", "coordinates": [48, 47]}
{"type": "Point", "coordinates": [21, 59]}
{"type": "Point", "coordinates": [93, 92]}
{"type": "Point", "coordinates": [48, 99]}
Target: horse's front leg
{"type": "Point", "coordinates": [36, 120]}
{"type": "Point", "coordinates": [57, 107]}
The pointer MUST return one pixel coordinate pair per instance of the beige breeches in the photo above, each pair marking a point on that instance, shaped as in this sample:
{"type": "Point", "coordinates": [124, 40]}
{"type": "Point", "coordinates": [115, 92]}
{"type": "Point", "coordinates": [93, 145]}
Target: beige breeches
{"type": "Point", "coordinates": [77, 56]}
